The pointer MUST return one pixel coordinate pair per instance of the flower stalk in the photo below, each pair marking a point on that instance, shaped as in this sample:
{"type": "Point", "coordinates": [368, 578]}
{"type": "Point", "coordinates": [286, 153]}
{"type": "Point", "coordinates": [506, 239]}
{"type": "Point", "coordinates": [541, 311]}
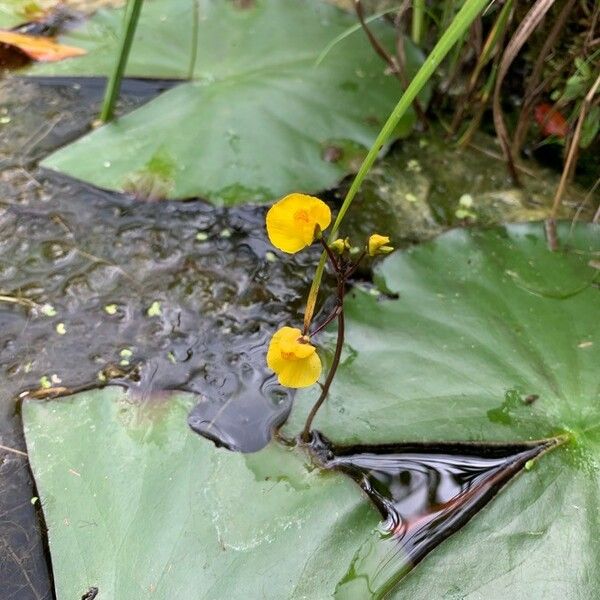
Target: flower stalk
{"type": "Point", "coordinates": [328, 381]}
{"type": "Point", "coordinates": [294, 223]}
{"type": "Point", "coordinates": [342, 274]}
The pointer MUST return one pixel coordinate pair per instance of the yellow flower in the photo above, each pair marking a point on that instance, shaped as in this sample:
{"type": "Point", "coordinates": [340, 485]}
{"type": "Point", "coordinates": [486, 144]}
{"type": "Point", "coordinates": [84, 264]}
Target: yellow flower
{"type": "Point", "coordinates": [293, 359]}
{"type": "Point", "coordinates": [292, 222]}
{"type": "Point", "coordinates": [377, 244]}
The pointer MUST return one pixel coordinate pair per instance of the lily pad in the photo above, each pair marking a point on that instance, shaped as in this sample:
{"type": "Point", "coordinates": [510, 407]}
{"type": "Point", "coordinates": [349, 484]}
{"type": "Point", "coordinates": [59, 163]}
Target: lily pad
{"type": "Point", "coordinates": [484, 320]}
{"type": "Point", "coordinates": [259, 117]}
{"type": "Point", "coordinates": [493, 338]}
{"type": "Point", "coordinates": [162, 512]}
{"type": "Point", "coordinates": [139, 506]}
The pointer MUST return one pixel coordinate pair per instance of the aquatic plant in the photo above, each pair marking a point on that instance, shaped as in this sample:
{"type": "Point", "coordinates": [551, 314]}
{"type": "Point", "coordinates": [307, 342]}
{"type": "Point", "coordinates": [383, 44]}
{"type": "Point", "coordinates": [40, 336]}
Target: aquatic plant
{"type": "Point", "coordinates": [294, 223]}
{"type": "Point", "coordinates": [297, 220]}
{"type": "Point", "coordinates": [482, 366]}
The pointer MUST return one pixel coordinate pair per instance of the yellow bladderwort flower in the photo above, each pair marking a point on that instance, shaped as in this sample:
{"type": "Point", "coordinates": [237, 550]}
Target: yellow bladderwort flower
{"type": "Point", "coordinates": [293, 222]}
{"type": "Point", "coordinates": [377, 244]}
{"type": "Point", "coordinates": [293, 358]}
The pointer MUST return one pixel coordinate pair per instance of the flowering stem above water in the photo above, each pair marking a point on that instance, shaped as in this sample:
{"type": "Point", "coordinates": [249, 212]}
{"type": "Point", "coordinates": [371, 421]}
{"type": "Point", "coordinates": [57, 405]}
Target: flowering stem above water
{"type": "Point", "coordinates": [342, 275]}
{"type": "Point", "coordinates": [332, 371]}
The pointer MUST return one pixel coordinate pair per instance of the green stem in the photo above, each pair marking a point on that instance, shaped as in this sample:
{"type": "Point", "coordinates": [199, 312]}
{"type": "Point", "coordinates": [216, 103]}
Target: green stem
{"type": "Point", "coordinates": [418, 16]}
{"type": "Point", "coordinates": [467, 14]}
{"type": "Point", "coordinates": [332, 371]}
{"type": "Point", "coordinates": [113, 87]}
{"type": "Point", "coordinates": [313, 292]}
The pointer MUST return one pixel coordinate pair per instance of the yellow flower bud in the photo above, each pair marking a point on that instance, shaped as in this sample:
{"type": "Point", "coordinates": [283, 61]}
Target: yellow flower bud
{"type": "Point", "coordinates": [338, 245]}
{"type": "Point", "coordinates": [377, 244]}
{"type": "Point", "coordinates": [294, 221]}
{"type": "Point", "coordinates": [293, 358]}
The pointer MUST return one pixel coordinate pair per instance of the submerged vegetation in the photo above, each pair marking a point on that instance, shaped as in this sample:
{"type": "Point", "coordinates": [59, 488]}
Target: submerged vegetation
{"type": "Point", "coordinates": [317, 397]}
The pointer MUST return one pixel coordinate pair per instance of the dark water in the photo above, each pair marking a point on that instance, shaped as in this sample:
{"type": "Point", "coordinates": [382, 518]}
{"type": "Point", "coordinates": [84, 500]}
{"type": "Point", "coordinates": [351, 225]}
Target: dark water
{"type": "Point", "coordinates": [80, 271]}
{"type": "Point", "coordinates": [424, 494]}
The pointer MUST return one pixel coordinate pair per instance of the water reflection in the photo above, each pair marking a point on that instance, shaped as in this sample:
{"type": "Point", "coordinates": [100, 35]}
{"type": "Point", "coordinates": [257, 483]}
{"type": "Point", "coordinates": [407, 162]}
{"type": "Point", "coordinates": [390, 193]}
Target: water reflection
{"type": "Point", "coordinates": [424, 494]}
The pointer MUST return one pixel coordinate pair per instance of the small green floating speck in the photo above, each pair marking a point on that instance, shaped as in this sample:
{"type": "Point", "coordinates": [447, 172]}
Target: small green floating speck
{"type": "Point", "coordinates": [61, 329]}
{"type": "Point", "coordinates": [226, 233]}
{"type": "Point", "coordinates": [529, 464]}
{"type": "Point", "coordinates": [464, 213]}
{"type": "Point", "coordinates": [45, 382]}
{"type": "Point", "coordinates": [125, 355]}
{"type": "Point", "coordinates": [110, 309]}
{"type": "Point", "coordinates": [154, 310]}
{"type": "Point", "coordinates": [270, 257]}
{"type": "Point", "coordinates": [201, 236]}
{"type": "Point", "coordinates": [48, 310]}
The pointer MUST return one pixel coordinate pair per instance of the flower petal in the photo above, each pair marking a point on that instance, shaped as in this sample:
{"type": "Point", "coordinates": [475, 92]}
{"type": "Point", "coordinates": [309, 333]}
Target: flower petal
{"type": "Point", "coordinates": [303, 350]}
{"type": "Point", "coordinates": [282, 233]}
{"type": "Point", "coordinates": [281, 336]}
{"type": "Point", "coordinates": [377, 244]}
{"type": "Point", "coordinates": [296, 363]}
{"type": "Point", "coordinates": [300, 373]}
{"type": "Point", "coordinates": [320, 213]}
{"type": "Point", "coordinates": [275, 360]}
{"type": "Point", "coordinates": [291, 221]}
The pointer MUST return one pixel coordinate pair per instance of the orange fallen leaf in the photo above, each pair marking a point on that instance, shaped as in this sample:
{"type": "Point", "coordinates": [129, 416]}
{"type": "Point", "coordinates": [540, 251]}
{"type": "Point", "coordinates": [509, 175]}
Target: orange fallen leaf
{"type": "Point", "coordinates": [38, 47]}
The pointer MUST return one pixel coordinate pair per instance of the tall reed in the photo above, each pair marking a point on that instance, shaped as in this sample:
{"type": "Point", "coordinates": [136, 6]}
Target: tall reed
{"type": "Point", "coordinates": [113, 87]}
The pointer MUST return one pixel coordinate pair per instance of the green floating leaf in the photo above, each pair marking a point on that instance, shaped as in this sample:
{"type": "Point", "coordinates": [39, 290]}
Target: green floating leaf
{"type": "Point", "coordinates": [260, 118]}
{"type": "Point", "coordinates": [483, 318]}
{"type": "Point", "coordinates": [141, 507]}
{"type": "Point", "coordinates": [163, 512]}
{"type": "Point", "coordinates": [493, 338]}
